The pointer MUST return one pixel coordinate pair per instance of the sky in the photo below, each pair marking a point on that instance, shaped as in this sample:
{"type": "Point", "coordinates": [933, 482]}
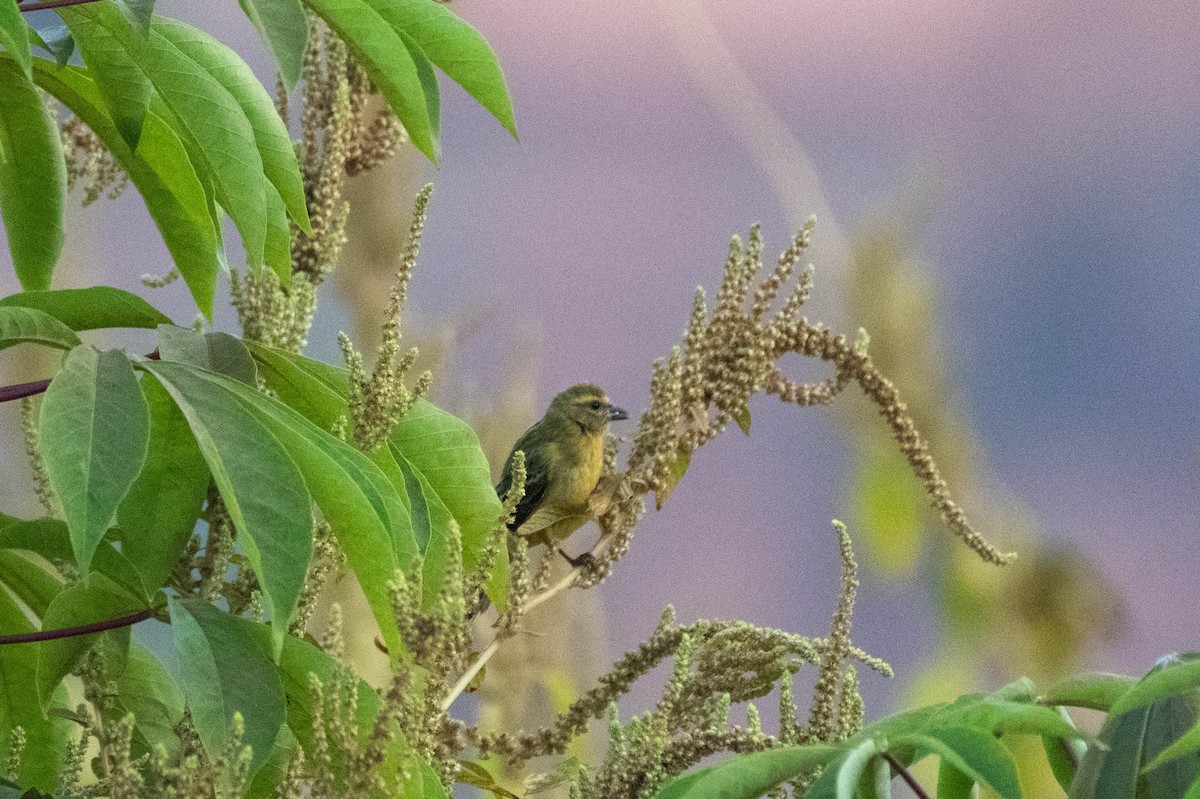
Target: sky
{"type": "Point", "coordinates": [1061, 145]}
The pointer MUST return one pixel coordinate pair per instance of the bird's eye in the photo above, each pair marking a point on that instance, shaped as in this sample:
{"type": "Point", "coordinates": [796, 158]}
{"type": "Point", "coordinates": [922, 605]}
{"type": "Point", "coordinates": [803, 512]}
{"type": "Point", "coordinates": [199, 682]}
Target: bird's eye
{"type": "Point", "coordinates": [595, 405]}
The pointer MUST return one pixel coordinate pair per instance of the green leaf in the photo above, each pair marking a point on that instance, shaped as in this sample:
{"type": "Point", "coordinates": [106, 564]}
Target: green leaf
{"type": "Point", "coordinates": [446, 451]}
{"type": "Point", "coordinates": [145, 689]}
{"type": "Point", "coordinates": [429, 85]}
{"type": "Point", "coordinates": [679, 467]}
{"type": "Point", "coordinates": [275, 769]}
{"type": "Point", "coordinates": [216, 352]}
{"type": "Point", "coordinates": [216, 130]}
{"type": "Point", "coordinates": [46, 739]}
{"type": "Point", "coordinates": [1063, 755]}
{"type": "Point", "coordinates": [953, 784]}
{"type": "Point", "coordinates": [974, 753]}
{"type": "Point", "coordinates": [1186, 744]}
{"type": "Point", "coordinates": [28, 326]}
{"type": "Point", "coordinates": [472, 773]}
{"type": "Point", "coordinates": [94, 598]}
{"type": "Point", "coordinates": [163, 174]}
{"type": "Point", "coordinates": [998, 717]}
{"type": "Point", "coordinates": [105, 37]}
{"type": "Point", "coordinates": [14, 35]}
{"type": "Point", "coordinates": [158, 515]}
{"type": "Point", "coordinates": [852, 767]}
{"type": "Point", "coordinates": [29, 580]}
{"type": "Point", "coordinates": [456, 48]}
{"type": "Point", "coordinates": [284, 27]}
{"type": "Point", "coordinates": [260, 484]}
{"type": "Point", "coordinates": [1096, 690]}
{"type": "Point", "coordinates": [33, 178]}
{"type": "Point", "coordinates": [91, 308]}
{"type": "Point", "coordinates": [271, 136]}
{"type": "Point", "coordinates": [355, 497]}
{"type": "Point", "coordinates": [742, 418]}
{"type": "Point", "coordinates": [92, 437]}
{"type": "Point", "coordinates": [218, 134]}
{"type": "Point", "coordinates": [141, 12]}
{"type": "Point", "coordinates": [1176, 677]}
{"type": "Point", "coordinates": [1111, 771]}
{"type": "Point", "coordinates": [227, 668]}
{"type": "Point", "coordinates": [51, 539]}
{"type": "Point", "coordinates": [55, 40]}
{"type": "Point", "coordinates": [387, 61]}
{"type": "Point", "coordinates": [750, 776]}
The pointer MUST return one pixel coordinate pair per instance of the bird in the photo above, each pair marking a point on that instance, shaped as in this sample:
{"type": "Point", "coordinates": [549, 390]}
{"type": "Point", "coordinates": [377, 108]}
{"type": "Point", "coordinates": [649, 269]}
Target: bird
{"type": "Point", "coordinates": [564, 452]}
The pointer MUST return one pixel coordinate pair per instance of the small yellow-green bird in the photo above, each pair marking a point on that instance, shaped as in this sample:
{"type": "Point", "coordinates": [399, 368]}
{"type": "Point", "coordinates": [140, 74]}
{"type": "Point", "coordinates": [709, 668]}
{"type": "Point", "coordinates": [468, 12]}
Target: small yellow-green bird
{"type": "Point", "coordinates": [563, 455]}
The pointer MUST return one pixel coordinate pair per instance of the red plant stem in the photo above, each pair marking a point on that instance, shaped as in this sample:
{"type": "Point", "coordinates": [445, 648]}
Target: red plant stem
{"type": "Point", "coordinates": [23, 390]}
{"type": "Point", "coordinates": [906, 776]}
{"type": "Point", "coordinates": [54, 4]}
{"type": "Point", "coordinates": [82, 629]}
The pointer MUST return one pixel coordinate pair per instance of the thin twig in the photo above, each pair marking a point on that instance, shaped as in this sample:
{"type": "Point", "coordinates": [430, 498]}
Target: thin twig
{"type": "Point", "coordinates": [906, 776]}
{"type": "Point", "coordinates": [54, 4]}
{"type": "Point", "coordinates": [566, 582]}
{"type": "Point", "coordinates": [82, 629]}
{"type": "Point", "coordinates": [23, 390]}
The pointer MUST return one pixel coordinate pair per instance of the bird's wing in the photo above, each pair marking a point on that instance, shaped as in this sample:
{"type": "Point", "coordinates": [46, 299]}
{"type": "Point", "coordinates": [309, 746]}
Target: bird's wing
{"type": "Point", "coordinates": [536, 481]}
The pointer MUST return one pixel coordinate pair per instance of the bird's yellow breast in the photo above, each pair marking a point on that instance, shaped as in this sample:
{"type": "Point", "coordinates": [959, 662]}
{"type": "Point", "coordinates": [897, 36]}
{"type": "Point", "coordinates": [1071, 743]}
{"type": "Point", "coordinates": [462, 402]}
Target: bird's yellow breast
{"type": "Point", "coordinates": [579, 472]}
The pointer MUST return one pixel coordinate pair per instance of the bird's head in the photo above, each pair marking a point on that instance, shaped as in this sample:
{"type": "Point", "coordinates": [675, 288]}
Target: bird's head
{"type": "Point", "coordinates": [587, 406]}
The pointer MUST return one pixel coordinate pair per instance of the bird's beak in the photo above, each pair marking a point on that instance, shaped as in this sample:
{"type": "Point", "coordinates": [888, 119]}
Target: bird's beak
{"type": "Point", "coordinates": [616, 414]}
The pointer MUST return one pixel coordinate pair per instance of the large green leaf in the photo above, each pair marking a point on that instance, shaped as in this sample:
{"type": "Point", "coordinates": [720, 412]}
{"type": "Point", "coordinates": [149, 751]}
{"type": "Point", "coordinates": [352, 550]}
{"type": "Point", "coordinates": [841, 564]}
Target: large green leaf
{"type": "Point", "coordinates": [45, 737]}
{"type": "Point", "coordinates": [159, 513]}
{"type": "Point", "coordinates": [216, 352]}
{"type": "Point", "coordinates": [103, 35]}
{"type": "Point", "coordinates": [14, 35]}
{"type": "Point", "coordinates": [26, 325]}
{"type": "Point", "coordinates": [260, 484]}
{"type": "Point", "coordinates": [163, 174]}
{"type": "Point", "coordinates": [1174, 677]}
{"type": "Point", "coordinates": [387, 61]}
{"type": "Point", "coordinates": [446, 451]}
{"type": "Point", "coordinates": [51, 539]}
{"type": "Point", "coordinates": [92, 437]}
{"type": "Point", "coordinates": [284, 26]}
{"type": "Point", "coordinates": [91, 308]}
{"type": "Point", "coordinates": [1096, 690]}
{"type": "Point", "coordinates": [95, 598]}
{"type": "Point", "coordinates": [145, 689]}
{"type": "Point", "coordinates": [101, 32]}
{"type": "Point", "coordinates": [750, 776]}
{"type": "Point", "coordinates": [29, 579]}
{"type": "Point", "coordinates": [354, 496]}
{"type": "Point", "coordinates": [852, 767]}
{"type": "Point", "coordinates": [207, 116]}
{"type": "Point", "coordinates": [33, 179]}
{"type": "Point", "coordinates": [227, 668]}
{"type": "Point", "coordinates": [975, 754]}
{"type": "Point", "coordinates": [271, 135]}
{"type": "Point", "coordinates": [456, 48]}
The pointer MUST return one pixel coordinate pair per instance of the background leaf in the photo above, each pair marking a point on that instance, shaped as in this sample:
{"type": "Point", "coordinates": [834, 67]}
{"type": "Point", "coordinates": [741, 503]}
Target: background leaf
{"type": "Point", "coordinates": [159, 513]}
{"type": "Point", "coordinates": [92, 436]}
{"type": "Point", "coordinates": [216, 352]}
{"type": "Point", "coordinates": [261, 486]}
{"type": "Point", "coordinates": [94, 598]}
{"type": "Point", "coordinates": [227, 667]}
{"type": "Point", "coordinates": [46, 738]}
{"type": "Point", "coordinates": [106, 40]}
{"type": "Point", "coordinates": [750, 776]}
{"type": "Point", "coordinates": [28, 326]}
{"type": "Point", "coordinates": [14, 35]}
{"type": "Point", "coordinates": [163, 174]}
{"type": "Point", "coordinates": [387, 61]}
{"type": "Point", "coordinates": [33, 178]}
{"type": "Point", "coordinates": [271, 137]}
{"type": "Point", "coordinates": [91, 308]}
{"type": "Point", "coordinates": [456, 48]}
{"type": "Point", "coordinates": [284, 27]}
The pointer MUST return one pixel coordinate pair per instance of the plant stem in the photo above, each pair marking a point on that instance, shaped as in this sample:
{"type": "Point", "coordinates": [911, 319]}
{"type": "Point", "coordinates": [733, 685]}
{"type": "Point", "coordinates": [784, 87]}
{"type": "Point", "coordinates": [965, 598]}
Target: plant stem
{"type": "Point", "coordinates": [467, 676]}
{"type": "Point", "coordinates": [82, 629]}
{"type": "Point", "coordinates": [54, 4]}
{"type": "Point", "coordinates": [906, 776]}
{"type": "Point", "coordinates": [22, 390]}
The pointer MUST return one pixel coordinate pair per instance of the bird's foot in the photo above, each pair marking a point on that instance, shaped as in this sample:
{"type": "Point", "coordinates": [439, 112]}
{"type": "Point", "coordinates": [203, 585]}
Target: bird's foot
{"type": "Point", "coordinates": [579, 561]}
